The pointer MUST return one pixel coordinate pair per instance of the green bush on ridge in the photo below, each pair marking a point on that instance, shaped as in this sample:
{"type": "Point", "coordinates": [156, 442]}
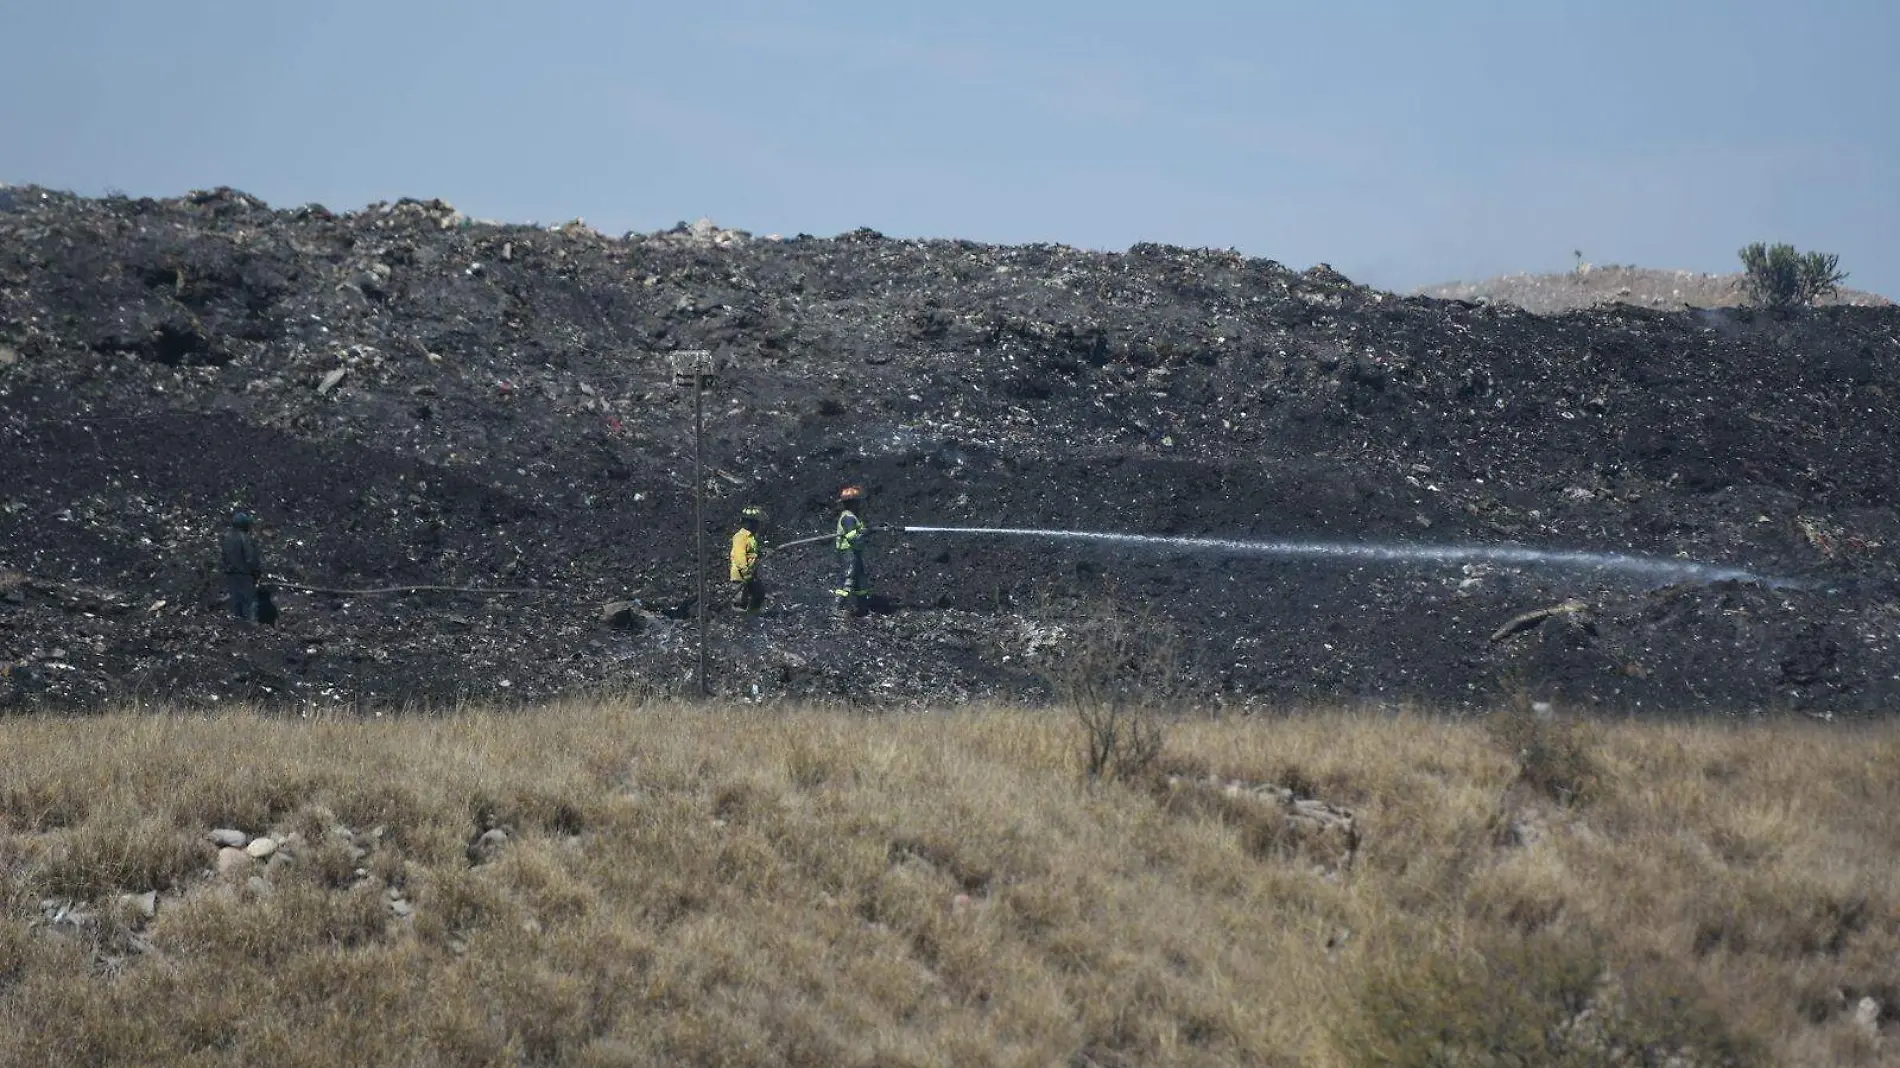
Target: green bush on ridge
{"type": "Point", "coordinates": [1777, 276]}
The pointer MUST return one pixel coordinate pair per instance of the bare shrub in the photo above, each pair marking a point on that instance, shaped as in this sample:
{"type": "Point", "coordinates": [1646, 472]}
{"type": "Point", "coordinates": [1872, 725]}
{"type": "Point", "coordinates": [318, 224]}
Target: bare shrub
{"type": "Point", "coordinates": [1554, 753]}
{"type": "Point", "coordinates": [1116, 677]}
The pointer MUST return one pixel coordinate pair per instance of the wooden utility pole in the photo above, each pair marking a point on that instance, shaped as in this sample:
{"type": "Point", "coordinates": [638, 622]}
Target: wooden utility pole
{"type": "Point", "coordinates": [695, 362]}
{"type": "Point", "coordinates": [699, 513]}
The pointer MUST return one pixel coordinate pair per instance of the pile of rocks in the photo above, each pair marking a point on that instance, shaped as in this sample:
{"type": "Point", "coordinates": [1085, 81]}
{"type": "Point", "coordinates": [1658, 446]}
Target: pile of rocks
{"type": "Point", "coordinates": [1281, 820]}
{"type": "Point", "coordinates": [248, 866]}
{"type": "Point", "coordinates": [701, 234]}
{"type": "Point", "coordinates": [251, 861]}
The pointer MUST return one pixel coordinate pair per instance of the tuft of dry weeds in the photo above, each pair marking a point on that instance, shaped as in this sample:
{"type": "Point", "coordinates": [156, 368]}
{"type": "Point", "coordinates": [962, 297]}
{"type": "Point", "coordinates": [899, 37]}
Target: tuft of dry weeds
{"type": "Point", "coordinates": [702, 885]}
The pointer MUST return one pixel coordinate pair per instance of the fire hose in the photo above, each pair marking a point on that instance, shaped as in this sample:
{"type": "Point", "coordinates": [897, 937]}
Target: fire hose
{"type": "Point", "coordinates": [406, 589]}
{"type": "Point", "coordinates": [514, 590]}
{"type": "Point", "coordinates": [827, 537]}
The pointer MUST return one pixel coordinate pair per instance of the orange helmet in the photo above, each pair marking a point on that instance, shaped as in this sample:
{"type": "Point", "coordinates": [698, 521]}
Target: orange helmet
{"type": "Point", "coordinates": [850, 494]}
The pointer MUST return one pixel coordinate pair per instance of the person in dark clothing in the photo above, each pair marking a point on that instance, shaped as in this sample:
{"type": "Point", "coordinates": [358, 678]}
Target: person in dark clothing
{"type": "Point", "coordinates": [243, 566]}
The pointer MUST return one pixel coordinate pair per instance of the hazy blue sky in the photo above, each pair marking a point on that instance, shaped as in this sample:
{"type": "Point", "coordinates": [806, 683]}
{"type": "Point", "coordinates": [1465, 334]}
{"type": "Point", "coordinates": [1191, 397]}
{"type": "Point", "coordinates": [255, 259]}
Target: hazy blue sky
{"type": "Point", "coordinates": [1405, 141]}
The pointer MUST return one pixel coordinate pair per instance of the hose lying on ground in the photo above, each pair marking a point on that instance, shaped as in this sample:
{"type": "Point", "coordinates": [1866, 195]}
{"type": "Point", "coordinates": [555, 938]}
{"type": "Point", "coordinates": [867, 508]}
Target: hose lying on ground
{"type": "Point", "coordinates": [479, 589]}
{"type": "Point", "coordinates": [404, 589]}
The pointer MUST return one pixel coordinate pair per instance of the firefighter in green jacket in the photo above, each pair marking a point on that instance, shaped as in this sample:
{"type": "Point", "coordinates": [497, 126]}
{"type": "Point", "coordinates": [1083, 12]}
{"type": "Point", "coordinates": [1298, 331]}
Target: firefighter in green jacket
{"type": "Point", "coordinates": [854, 586]}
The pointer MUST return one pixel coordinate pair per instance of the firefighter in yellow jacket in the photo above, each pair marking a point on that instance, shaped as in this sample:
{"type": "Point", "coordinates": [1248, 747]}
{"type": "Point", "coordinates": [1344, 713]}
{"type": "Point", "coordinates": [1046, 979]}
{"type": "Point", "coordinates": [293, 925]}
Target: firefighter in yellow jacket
{"type": "Point", "coordinates": [749, 592]}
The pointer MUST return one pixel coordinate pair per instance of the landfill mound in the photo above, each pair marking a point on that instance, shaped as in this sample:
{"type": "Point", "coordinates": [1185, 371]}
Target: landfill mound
{"type": "Point", "coordinates": [410, 398]}
{"type": "Point", "coordinates": [1590, 285]}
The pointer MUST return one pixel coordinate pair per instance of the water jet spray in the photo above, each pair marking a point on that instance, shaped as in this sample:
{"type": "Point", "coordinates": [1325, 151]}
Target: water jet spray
{"type": "Point", "coordinates": [1655, 567]}
{"type": "Point", "coordinates": [1662, 569]}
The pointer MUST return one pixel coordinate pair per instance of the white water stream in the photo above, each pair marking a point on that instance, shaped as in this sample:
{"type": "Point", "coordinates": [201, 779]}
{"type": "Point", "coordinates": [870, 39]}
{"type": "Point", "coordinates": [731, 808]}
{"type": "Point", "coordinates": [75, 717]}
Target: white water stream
{"type": "Point", "coordinates": [1661, 569]}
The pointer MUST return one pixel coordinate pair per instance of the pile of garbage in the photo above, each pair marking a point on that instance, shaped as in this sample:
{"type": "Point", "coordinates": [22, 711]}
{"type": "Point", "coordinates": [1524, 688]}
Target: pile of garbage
{"type": "Point", "coordinates": [407, 397]}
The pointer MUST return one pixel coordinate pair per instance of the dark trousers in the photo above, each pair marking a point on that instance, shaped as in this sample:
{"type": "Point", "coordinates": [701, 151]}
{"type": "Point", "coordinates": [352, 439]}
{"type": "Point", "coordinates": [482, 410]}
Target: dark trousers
{"type": "Point", "coordinates": [243, 596]}
{"type": "Point", "coordinates": [749, 595]}
{"type": "Point", "coordinates": [854, 586]}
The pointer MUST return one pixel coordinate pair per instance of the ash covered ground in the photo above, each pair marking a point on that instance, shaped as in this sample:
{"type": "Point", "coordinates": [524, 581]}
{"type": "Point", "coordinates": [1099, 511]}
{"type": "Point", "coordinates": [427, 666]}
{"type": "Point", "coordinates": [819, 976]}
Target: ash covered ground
{"type": "Point", "coordinates": [408, 397]}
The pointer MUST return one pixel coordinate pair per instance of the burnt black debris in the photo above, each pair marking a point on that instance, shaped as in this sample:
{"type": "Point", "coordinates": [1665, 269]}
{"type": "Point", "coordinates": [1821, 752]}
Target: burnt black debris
{"type": "Point", "coordinates": [408, 397]}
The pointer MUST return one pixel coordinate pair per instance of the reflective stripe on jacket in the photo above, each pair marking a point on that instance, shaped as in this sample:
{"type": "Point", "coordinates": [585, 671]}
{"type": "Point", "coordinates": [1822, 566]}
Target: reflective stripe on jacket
{"type": "Point", "coordinates": [850, 532]}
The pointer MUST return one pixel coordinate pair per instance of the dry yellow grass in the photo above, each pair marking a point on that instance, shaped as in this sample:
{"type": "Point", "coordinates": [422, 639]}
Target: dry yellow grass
{"type": "Point", "coordinates": [736, 886]}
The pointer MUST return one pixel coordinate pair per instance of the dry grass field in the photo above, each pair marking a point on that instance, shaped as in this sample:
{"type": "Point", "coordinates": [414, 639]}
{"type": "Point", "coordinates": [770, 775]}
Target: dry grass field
{"type": "Point", "coordinates": [689, 885]}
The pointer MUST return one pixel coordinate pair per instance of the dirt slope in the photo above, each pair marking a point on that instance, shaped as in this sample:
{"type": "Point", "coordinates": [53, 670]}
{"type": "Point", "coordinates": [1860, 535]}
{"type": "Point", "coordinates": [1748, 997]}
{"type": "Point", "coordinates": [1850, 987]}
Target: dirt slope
{"type": "Point", "coordinates": [409, 397]}
{"type": "Point", "coordinates": [1591, 286]}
